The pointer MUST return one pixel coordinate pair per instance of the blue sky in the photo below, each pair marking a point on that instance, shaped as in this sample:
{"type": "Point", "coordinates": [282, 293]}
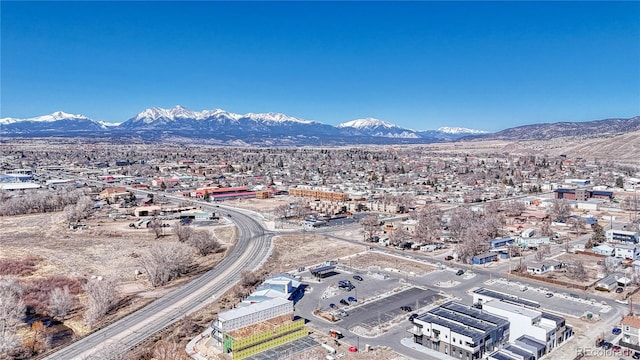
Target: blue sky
{"type": "Point", "coordinates": [483, 65]}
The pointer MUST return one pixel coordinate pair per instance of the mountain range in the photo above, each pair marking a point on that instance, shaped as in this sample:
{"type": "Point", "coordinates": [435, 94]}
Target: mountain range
{"type": "Point", "coordinates": [218, 126]}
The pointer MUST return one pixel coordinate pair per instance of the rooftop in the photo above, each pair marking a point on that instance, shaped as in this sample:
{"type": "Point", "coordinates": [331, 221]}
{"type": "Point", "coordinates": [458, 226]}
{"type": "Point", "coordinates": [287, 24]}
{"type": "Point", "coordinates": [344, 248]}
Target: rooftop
{"type": "Point", "coordinates": [506, 297]}
{"type": "Point", "coordinates": [512, 308]}
{"type": "Point", "coordinates": [253, 308]}
{"type": "Point", "coordinates": [631, 320]}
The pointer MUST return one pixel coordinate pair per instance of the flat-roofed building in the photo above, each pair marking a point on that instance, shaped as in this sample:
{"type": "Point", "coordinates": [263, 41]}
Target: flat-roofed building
{"type": "Point", "coordinates": [622, 236]}
{"type": "Point", "coordinates": [543, 327]}
{"type": "Point", "coordinates": [460, 331]}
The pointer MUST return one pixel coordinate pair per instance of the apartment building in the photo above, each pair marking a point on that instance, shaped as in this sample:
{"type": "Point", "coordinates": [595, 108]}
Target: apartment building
{"type": "Point", "coordinates": [460, 331]}
{"type": "Point", "coordinates": [545, 328]}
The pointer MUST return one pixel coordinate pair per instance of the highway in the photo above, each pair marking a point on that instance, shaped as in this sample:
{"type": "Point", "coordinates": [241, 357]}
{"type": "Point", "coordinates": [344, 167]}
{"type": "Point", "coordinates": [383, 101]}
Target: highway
{"type": "Point", "coordinates": [251, 250]}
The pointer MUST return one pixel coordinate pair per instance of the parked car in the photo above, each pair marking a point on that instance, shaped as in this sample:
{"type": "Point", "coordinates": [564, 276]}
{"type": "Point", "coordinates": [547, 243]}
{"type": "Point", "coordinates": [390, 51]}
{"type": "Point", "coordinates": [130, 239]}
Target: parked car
{"type": "Point", "coordinates": [616, 331]}
{"type": "Point", "coordinates": [607, 345]}
{"type": "Point", "coordinates": [332, 305]}
{"type": "Point", "coordinates": [448, 257]}
{"type": "Point", "coordinates": [459, 272]}
{"type": "Point", "coordinates": [636, 355]}
{"type": "Point", "coordinates": [412, 316]}
{"type": "Point", "coordinates": [406, 308]}
{"type": "Point", "coordinates": [343, 313]}
{"type": "Point", "coordinates": [549, 295]}
{"type": "Point", "coordinates": [357, 277]}
{"type": "Point", "coordinates": [615, 348]}
{"type": "Point", "coordinates": [352, 299]}
{"type": "Point", "coordinates": [344, 302]}
{"type": "Point", "coordinates": [619, 290]}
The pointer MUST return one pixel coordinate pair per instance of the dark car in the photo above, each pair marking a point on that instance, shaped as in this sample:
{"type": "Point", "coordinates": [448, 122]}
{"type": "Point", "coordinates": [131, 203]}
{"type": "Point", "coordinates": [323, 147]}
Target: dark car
{"type": "Point", "coordinates": [619, 290]}
{"type": "Point", "coordinates": [616, 331]}
{"type": "Point", "coordinates": [344, 302]}
{"type": "Point", "coordinates": [405, 308]}
{"type": "Point", "coordinates": [636, 355]}
{"type": "Point", "coordinates": [459, 272]}
{"type": "Point", "coordinates": [607, 345]}
{"type": "Point", "coordinates": [352, 299]}
{"type": "Point", "coordinates": [332, 305]}
{"type": "Point", "coordinates": [357, 277]}
{"type": "Point", "coordinates": [412, 316]}
{"type": "Point", "coordinates": [549, 295]}
{"type": "Point", "coordinates": [448, 257]}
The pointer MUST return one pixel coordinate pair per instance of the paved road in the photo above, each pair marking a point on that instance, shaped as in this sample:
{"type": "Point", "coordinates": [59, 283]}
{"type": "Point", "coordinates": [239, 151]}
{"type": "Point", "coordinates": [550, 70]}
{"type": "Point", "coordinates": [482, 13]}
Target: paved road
{"type": "Point", "coordinates": [252, 248]}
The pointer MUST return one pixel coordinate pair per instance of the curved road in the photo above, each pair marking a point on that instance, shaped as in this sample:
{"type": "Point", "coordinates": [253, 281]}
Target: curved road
{"type": "Point", "coordinates": [252, 248]}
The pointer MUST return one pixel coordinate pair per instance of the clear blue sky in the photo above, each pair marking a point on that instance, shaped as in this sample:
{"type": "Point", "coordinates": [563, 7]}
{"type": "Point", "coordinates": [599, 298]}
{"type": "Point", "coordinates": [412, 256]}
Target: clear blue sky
{"type": "Point", "coordinates": [483, 65]}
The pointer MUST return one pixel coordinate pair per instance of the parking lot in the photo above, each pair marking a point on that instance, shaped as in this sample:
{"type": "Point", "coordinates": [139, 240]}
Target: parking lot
{"type": "Point", "coordinates": [562, 303]}
{"type": "Point", "coordinates": [385, 309]}
{"type": "Point", "coordinates": [379, 300]}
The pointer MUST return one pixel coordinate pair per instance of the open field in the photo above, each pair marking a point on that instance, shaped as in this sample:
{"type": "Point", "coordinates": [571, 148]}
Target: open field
{"type": "Point", "coordinates": [106, 247]}
{"type": "Point", "coordinates": [624, 148]}
{"type": "Point", "coordinates": [41, 249]}
{"type": "Point", "coordinates": [301, 250]}
{"type": "Point", "coordinates": [378, 260]}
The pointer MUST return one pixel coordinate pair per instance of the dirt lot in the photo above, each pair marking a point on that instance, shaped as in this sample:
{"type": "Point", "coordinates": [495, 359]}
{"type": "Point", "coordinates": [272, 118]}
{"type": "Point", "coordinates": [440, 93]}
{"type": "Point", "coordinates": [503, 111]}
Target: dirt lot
{"type": "Point", "coordinates": [294, 251]}
{"type": "Point", "coordinates": [45, 249]}
{"type": "Point", "coordinates": [105, 248]}
{"type": "Point", "coordinates": [382, 261]}
{"type": "Point", "coordinates": [260, 205]}
{"type": "Point", "coordinates": [590, 265]}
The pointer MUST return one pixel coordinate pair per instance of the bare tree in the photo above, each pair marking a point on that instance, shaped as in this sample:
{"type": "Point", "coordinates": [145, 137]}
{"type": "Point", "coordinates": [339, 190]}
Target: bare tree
{"type": "Point", "coordinates": [514, 207]}
{"type": "Point", "coordinates": [249, 279]}
{"type": "Point", "coordinates": [282, 211]}
{"type": "Point", "coordinates": [576, 224]}
{"type": "Point", "coordinates": [577, 271]}
{"type": "Point", "coordinates": [560, 209]}
{"type": "Point", "coordinates": [461, 218]}
{"type": "Point", "coordinates": [166, 261]}
{"type": "Point", "coordinates": [169, 350]}
{"type": "Point", "coordinates": [11, 312]}
{"type": "Point", "coordinates": [60, 302]}
{"type": "Point", "coordinates": [183, 232]}
{"type": "Point", "coordinates": [101, 296]}
{"type": "Point", "coordinates": [428, 226]}
{"type": "Point", "coordinates": [397, 236]}
{"type": "Point", "coordinates": [204, 242]}
{"type": "Point", "coordinates": [545, 228]}
{"type": "Point", "coordinates": [370, 225]}
{"type": "Point", "coordinates": [473, 241]}
{"type": "Point", "coordinates": [155, 226]}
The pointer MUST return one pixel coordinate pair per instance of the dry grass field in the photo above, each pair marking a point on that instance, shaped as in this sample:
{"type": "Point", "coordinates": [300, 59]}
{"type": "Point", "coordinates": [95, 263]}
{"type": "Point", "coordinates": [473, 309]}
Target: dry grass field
{"type": "Point", "coordinates": [294, 251]}
{"type": "Point", "coordinates": [375, 259]}
{"type": "Point", "coordinates": [624, 148]}
{"type": "Point", "coordinates": [43, 253]}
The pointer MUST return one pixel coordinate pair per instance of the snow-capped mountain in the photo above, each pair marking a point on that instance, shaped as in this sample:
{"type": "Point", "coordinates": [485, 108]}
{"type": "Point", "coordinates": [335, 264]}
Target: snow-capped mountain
{"type": "Point", "coordinates": [377, 128]}
{"type": "Point", "coordinates": [59, 121]}
{"type": "Point", "coordinates": [223, 127]}
{"type": "Point", "coordinates": [367, 123]}
{"type": "Point", "coordinates": [459, 130]}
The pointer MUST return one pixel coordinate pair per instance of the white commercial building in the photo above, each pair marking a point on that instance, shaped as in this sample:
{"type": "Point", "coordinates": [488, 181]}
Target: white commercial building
{"type": "Point", "coordinates": [546, 328]}
{"type": "Point", "coordinates": [622, 236]}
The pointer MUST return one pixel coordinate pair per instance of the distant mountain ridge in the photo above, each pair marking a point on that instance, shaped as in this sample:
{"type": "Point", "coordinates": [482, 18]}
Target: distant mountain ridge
{"type": "Point", "coordinates": [220, 126]}
{"type": "Point", "coordinates": [275, 129]}
{"type": "Point", "coordinates": [545, 131]}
